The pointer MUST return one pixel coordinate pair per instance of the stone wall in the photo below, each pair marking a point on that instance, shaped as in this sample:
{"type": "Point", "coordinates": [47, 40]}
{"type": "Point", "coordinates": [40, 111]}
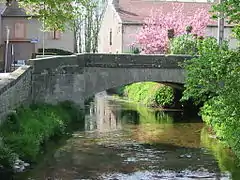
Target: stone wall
{"type": "Point", "coordinates": [57, 79]}
{"type": "Point", "coordinates": [15, 89]}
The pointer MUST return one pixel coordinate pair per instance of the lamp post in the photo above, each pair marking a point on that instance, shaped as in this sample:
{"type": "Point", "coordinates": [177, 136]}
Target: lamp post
{"type": "Point", "coordinates": [43, 33]}
{"type": "Point", "coordinates": [220, 26]}
{"type": "Point", "coordinates": [6, 50]}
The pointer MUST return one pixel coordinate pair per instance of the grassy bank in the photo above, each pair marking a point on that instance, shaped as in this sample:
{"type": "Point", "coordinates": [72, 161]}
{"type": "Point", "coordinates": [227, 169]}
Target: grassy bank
{"type": "Point", "coordinates": [150, 94]}
{"type": "Point", "coordinates": [25, 131]}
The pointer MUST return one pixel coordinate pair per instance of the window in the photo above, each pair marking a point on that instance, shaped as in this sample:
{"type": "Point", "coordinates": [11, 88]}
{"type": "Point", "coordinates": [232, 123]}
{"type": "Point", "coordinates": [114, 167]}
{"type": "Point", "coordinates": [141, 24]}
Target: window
{"type": "Point", "coordinates": [110, 37]}
{"type": "Point", "coordinates": [19, 30]}
{"type": "Point", "coordinates": [56, 34]}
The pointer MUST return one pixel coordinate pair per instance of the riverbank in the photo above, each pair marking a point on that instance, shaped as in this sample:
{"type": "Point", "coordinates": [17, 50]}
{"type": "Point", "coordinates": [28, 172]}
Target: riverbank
{"type": "Point", "coordinates": [129, 141]}
{"type": "Point", "coordinates": [213, 80]}
{"type": "Point", "coordinates": [25, 131]}
{"type": "Point", "coordinates": [149, 94]}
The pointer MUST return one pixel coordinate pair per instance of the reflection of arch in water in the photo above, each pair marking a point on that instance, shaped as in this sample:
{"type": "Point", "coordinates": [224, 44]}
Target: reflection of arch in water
{"type": "Point", "coordinates": [224, 156]}
{"type": "Point", "coordinates": [148, 115]}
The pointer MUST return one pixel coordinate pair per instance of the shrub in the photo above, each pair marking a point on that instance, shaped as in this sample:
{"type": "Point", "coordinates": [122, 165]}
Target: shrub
{"type": "Point", "coordinates": [214, 78]}
{"type": "Point", "coordinates": [53, 51]}
{"type": "Point", "coordinates": [149, 93]}
{"type": "Point", "coordinates": [205, 73]}
{"type": "Point", "coordinates": [184, 44]}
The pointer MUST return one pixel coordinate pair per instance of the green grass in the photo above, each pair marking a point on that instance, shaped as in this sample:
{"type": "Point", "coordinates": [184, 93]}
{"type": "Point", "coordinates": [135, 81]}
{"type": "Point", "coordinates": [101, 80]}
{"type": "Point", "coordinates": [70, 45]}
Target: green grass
{"type": "Point", "coordinates": [148, 93]}
{"type": "Point", "coordinates": [25, 132]}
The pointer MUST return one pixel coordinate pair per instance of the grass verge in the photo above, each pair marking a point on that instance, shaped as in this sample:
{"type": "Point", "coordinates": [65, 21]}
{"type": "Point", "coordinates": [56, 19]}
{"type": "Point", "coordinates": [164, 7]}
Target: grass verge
{"type": "Point", "coordinates": [25, 132]}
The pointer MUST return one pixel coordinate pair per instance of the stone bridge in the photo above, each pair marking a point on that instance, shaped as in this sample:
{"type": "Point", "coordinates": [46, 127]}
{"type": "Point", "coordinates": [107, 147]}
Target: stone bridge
{"type": "Point", "coordinates": [77, 77]}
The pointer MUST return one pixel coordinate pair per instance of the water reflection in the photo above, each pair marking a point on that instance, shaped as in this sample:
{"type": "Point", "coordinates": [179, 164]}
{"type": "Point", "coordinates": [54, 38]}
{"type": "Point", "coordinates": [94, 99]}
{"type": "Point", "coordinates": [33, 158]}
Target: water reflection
{"type": "Point", "coordinates": [101, 116]}
{"type": "Point", "coordinates": [123, 141]}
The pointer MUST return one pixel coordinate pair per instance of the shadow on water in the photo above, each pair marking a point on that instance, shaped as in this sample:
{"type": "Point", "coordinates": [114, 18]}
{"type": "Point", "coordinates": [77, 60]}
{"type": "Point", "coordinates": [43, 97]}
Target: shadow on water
{"type": "Point", "coordinates": [122, 141]}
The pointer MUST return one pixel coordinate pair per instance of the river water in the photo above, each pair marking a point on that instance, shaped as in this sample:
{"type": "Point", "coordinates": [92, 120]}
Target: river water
{"type": "Point", "coordinates": [123, 141]}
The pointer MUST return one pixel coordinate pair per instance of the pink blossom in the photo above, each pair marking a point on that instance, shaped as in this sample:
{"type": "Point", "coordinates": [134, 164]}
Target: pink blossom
{"type": "Point", "coordinates": [153, 37]}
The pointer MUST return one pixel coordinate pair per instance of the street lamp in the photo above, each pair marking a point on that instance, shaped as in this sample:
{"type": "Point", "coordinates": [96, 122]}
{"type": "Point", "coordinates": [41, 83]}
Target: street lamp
{"type": "Point", "coordinates": [6, 50]}
{"type": "Point", "coordinates": [220, 25]}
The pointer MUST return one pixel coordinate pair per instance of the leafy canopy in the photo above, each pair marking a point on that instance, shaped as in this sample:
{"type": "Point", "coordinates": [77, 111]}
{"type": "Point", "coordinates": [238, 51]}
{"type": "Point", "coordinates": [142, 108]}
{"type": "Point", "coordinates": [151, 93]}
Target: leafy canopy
{"type": "Point", "coordinates": [56, 14]}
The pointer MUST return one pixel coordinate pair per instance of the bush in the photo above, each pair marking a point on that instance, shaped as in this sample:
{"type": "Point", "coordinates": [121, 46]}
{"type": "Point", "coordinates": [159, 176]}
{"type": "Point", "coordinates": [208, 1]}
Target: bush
{"type": "Point", "coordinates": [25, 131]}
{"type": "Point", "coordinates": [149, 93]}
{"type": "Point", "coordinates": [205, 73]}
{"type": "Point", "coordinates": [184, 44]}
{"type": "Point", "coordinates": [214, 78]}
{"type": "Point", "coordinates": [7, 157]}
{"type": "Point", "coordinates": [53, 51]}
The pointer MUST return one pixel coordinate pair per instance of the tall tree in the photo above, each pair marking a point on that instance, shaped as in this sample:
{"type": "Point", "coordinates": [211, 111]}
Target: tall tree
{"type": "Point", "coordinates": [93, 14]}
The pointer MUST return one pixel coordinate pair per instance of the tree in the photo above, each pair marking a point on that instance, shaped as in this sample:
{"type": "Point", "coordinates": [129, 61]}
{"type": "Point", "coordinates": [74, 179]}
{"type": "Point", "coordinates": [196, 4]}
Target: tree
{"type": "Point", "coordinates": [153, 37]}
{"type": "Point", "coordinates": [90, 25]}
{"type": "Point", "coordinates": [56, 14]}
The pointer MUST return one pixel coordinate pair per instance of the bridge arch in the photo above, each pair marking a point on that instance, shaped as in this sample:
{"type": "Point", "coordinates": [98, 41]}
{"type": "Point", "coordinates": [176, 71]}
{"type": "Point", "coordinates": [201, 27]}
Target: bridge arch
{"type": "Point", "coordinates": [100, 79]}
{"type": "Point", "coordinates": [78, 77]}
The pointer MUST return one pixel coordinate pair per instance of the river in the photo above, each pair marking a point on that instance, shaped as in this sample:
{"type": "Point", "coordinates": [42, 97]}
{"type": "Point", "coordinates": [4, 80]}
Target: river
{"type": "Point", "coordinates": [123, 141]}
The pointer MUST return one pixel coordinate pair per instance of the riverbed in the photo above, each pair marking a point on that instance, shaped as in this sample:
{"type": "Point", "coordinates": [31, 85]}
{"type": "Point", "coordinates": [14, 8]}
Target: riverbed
{"type": "Point", "coordinates": [125, 141]}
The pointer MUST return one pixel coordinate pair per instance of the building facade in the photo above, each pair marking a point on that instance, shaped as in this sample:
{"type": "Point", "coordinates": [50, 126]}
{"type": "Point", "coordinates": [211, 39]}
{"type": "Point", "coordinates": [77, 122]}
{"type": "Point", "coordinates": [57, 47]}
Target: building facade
{"type": "Point", "coordinates": [123, 19]}
{"type": "Point", "coordinates": [26, 35]}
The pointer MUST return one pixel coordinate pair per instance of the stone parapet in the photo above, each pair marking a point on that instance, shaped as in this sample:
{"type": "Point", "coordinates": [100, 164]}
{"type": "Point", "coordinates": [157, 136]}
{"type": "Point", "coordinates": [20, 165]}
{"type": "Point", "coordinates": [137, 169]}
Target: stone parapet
{"type": "Point", "coordinates": [15, 89]}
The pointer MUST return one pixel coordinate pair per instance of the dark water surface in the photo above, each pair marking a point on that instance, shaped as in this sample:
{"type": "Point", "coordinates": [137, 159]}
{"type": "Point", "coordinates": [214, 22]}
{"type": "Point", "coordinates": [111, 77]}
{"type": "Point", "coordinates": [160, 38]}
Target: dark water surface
{"type": "Point", "coordinates": [122, 141]}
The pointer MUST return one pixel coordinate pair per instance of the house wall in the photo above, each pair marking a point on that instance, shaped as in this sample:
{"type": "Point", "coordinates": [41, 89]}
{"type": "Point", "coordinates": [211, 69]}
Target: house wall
{"type": "Point", "coordinates": [33, 31]}
{"type": "Point", "coordinates": [111, 20]}
{"type": "Point", "coordinates": [129, 36]}
{"type": "Point", "coordinates": [213, 31]}
{"type": "Point", "coordinates": [130, 31]}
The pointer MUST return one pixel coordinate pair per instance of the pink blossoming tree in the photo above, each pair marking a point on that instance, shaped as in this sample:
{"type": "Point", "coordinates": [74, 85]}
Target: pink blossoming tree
{"type": "Point", "coordinates": [153, 37]}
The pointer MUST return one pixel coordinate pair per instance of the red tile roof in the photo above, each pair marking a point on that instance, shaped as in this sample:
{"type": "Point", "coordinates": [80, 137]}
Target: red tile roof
{"type": "Point", "coordinates": [135, 11]}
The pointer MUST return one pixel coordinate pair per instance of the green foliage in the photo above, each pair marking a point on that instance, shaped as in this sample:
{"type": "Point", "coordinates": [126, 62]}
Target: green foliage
{"type": "Point", "coordinates": [56, 14]}
{"type": "Point", "coordinates": [7, 157]}
{"type": "Point", "coordinates": [146, 115]}
{"type": "Point", "coordinates": [149, 93]}
{"type": "Point", "coordinates": [164, 96]}
{"type": "Point", "coordinates": [205, 73]}
{"type": "Point", "coordinates": [133, 50]}
{"type": "Point", "coordinates": [214, 78]}
{"type": "Point", "coordinates": [29, 128]}
{"type": "Point", "coordinates": [53, 51]}
{"type": "Point", "coordinates": [184, 44]}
